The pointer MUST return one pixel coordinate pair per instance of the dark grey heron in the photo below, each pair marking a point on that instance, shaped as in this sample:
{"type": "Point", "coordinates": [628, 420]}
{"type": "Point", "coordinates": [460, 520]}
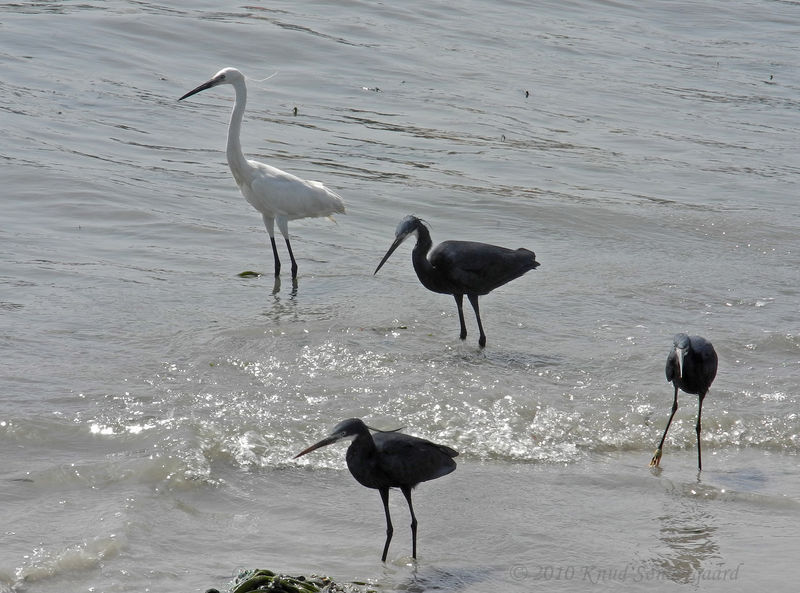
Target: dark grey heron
{"type": "Point", "coordinates": [691, 367]}
{"type": "Point", "coordinates": [390, 460]}
{"type": "Point", "coordinates": [279, 196]}
{"type": "Point", "coordinates": [461, 267]}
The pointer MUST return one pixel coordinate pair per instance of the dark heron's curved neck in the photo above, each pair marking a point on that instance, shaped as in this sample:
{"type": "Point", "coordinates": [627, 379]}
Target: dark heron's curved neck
{"type": "Point", "coordinates": [362, 444]}
{"type": "Point", "coordinates": [362, 460]}
{"type": "Point", "coordinates": [427, 274]}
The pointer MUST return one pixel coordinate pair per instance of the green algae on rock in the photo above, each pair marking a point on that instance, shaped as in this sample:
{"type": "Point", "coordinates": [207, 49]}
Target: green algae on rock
{"type": "Point", "coordinates": [266, 580]}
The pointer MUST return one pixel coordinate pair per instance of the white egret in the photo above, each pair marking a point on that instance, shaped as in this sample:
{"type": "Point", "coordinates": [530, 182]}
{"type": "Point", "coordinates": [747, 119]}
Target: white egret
{"type": "Point", "coordinates": [279, 196]}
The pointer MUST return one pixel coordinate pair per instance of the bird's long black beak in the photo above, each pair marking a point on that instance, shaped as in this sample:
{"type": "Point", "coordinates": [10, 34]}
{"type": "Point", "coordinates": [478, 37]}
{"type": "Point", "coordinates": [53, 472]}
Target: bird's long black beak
{"type": "Point", "coordinates": [394, 246]}
{"type": "Point", "coordinates": [323, 443]}
{"type": "Point", "coordinates": [680, 353]}
{"type": "Point", "coordinates": [202, 87]}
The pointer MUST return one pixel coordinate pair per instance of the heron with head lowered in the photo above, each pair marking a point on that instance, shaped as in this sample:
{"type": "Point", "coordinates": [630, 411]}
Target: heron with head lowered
{"type": "Point", "coordinates": [390, 459]}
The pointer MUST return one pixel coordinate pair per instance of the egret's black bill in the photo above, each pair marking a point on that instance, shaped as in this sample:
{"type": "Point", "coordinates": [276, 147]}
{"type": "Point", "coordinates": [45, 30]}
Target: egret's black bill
{"type": "Point", "coordinates": [202, 87]}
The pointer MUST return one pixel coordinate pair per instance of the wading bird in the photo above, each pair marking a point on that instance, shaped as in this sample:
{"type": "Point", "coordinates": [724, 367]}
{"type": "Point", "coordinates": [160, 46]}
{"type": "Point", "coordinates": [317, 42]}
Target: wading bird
{"type": "Point", "coordinates": [390, 460]}
{"type": "Point", "coordinates": [691, 367]}
{"type": "Point", "coordinates": [461, 267]}
{"type": "Point", "coordinates": [279, 196]}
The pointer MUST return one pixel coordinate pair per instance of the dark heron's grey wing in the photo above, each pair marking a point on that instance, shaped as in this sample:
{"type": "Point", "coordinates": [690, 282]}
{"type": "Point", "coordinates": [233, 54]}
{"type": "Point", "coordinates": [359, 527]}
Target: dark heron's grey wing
{"type": "Point", "coordinates": [408, 460]}
{"type": "Point", "coordinates": [479, 268]}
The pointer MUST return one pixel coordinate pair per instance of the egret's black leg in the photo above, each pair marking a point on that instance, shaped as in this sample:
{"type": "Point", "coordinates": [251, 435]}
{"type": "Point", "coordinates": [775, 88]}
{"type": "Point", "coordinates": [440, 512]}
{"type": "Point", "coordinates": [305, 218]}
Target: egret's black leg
{"type": "Point", "coordinates": [275, 253]}
{"type": "Point", "coordinates": [407, 493]}
{"type": "Point", "coordinates": [657, 455]}
{"type": "Point", "coordinates": [291, 255]}
{"type": "Point", "coordinates": [389, 529]}
{"type": "Point", "coordinates": [697, 429]}
{"type": "Point", "coordinates": [460, 304]}
{"type": "Point", "coordinates": [473, 299]}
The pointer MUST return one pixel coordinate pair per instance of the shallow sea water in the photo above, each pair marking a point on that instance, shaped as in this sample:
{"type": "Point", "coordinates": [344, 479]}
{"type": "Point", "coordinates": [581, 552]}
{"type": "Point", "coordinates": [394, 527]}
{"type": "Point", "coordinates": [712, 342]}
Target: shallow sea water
{"type": "Point", "coordinates": [152, 400]}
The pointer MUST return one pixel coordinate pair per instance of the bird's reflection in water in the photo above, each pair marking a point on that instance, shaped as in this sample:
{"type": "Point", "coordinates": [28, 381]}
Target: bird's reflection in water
{"type": "Point", "coordinates": [688, 535]}
{"type": "Point", "coordinates": [431, 578]}
{"type": "Point", "coordinates": [282, 307]}
{"type": "Point", "coordinates": [276, 287]}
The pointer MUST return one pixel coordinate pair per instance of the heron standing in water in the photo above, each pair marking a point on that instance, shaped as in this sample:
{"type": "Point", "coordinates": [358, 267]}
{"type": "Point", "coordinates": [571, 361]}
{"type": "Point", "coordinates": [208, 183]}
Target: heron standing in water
{"type": "Point", "coordinates": [279, 196]}
{"type": "Point", "coordinates": [461, 267]}
{"type": "Point", "coordinates": [691, 367]}
{"type": "Point", "coordinates": [390, 460]}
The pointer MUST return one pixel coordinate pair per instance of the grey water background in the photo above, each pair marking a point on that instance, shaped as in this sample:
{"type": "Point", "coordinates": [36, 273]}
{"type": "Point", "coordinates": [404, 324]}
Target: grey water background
{"type": "Point", "coordinates": [151, 400]}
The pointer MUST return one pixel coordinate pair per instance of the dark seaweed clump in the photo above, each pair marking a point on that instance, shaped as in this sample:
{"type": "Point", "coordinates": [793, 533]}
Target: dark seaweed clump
{"type": "Point", "coordinates": [265, 580]}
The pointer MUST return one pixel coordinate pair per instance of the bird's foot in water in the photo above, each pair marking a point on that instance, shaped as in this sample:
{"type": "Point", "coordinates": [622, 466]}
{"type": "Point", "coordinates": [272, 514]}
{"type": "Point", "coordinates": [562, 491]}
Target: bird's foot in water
{"type": "Point", "coordinates": [656, 458]}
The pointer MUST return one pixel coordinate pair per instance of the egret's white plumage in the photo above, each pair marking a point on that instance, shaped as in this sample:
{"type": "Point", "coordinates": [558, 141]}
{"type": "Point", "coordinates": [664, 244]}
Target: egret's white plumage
{"type": "Point", "coordinates": [278, 195]}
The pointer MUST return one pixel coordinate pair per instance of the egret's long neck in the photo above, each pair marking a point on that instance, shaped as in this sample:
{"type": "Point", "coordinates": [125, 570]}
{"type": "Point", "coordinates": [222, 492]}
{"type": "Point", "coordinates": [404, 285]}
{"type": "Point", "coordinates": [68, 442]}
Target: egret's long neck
{"type": "Point", "coordinates": [236, 160]}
